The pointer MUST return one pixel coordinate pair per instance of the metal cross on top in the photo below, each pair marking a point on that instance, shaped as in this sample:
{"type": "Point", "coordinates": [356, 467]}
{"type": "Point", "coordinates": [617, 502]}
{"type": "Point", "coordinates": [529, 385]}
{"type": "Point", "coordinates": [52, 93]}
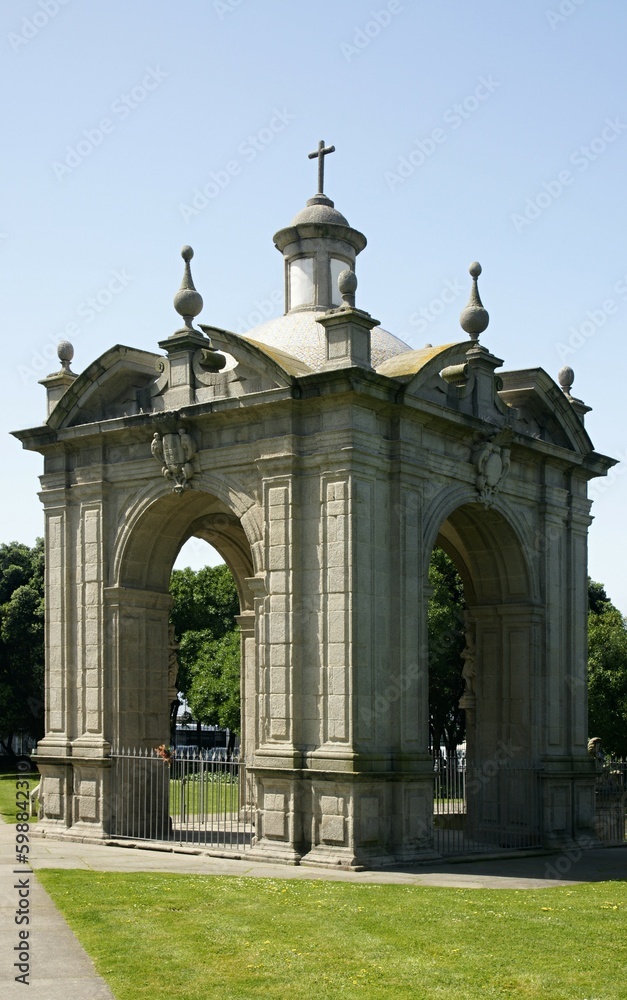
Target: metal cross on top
{"type": "Point", "coordinates": [320, 153]}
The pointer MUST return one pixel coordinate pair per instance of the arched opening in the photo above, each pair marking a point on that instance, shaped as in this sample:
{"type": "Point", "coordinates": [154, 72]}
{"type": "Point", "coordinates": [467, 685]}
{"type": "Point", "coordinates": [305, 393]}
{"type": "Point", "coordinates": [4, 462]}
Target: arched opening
{"type": "Point", "coordinates": [492, 793]}
{"type": "Point", "coordinates": [140, 605]}
{"type": "Point", "coordinates": [142, 666]}
{"type": "Point", "coordinates": [205, 658]}
{"type": "Point", "coordinates": [446, 614]}
{"type": "Point", "coordinates": [501, 621]}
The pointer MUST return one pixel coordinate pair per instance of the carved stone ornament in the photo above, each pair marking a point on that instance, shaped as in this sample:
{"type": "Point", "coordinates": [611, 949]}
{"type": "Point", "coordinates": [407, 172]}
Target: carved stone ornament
{"type": "Point", "coordinates": [173, 664]}
{"type": "Point", "coordinates": [492, 461]}
{"type": "Point", "coordinates": [468, 700]}
{"type": "Point", "coordinates": [174, 447]}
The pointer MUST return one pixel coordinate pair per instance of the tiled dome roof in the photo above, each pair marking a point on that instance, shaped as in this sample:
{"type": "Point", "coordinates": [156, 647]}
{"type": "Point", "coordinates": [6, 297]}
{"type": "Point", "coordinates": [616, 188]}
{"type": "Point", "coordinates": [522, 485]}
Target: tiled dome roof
{"type": "Point", "coordinates": [299, 334]}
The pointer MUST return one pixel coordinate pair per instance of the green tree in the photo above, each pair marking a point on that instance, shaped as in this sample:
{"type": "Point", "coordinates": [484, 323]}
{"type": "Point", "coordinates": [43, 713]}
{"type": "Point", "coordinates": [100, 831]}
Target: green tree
{"type": "Point", "coordinates": [607, 672]}
{"type": "Point", "coordinates": [598, 601]}
{"type": "Point", "coordinates": [21, 641]}
{"type": "Point", "coordinates": [446, 643]}
{"type": "Point", "coordinates": [214, 691]}
{"type": "Point", "coordinates": [205, 606]}
{"type": "Point", "coordinates": [203, 615]}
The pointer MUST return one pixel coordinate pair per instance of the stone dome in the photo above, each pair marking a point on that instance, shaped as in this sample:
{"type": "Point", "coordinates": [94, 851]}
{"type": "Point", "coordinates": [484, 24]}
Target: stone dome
{"type": "Point", "coordinates": [320, 214]}
{"type": "Point", "coordinates": [298, 334]}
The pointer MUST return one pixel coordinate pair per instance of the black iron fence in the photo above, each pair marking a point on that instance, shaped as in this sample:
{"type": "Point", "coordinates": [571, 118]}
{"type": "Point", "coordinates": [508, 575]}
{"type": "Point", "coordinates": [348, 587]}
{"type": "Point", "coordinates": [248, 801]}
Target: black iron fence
{"type": "Point", "coordinates": [195, 798]}
{"type": "Point", "coordinates": [610, 799]}
{"type": "Point", "coordinates": [201, 798]}
{"type": "Point", "coordinates": [486, 808]}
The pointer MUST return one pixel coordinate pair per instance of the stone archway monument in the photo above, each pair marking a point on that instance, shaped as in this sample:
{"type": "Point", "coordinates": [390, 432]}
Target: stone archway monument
{"type": "Point", "coordinates": [324, 459]}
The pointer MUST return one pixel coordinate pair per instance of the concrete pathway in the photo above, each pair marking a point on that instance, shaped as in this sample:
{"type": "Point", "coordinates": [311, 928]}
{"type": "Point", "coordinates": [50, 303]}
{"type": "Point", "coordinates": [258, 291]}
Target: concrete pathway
{"type": "Point", "coordinates": [60, 969]}
{"type": "Point", "coordinates": [532, 872]}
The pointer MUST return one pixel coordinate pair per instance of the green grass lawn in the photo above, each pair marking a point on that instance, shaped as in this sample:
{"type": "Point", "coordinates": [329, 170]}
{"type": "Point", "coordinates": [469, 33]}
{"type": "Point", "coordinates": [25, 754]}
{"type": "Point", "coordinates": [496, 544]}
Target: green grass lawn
{"type": "Point", "coordinates": [192, 937]}
{"type": "Point", "coordinates": [206, 796]}
{"type": "Point", "coordinates": [8, 789]}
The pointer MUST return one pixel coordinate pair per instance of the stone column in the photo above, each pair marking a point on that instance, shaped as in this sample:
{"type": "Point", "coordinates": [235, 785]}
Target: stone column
{"type": "Point", "coordinates": [568, 771]}
{"type": "Point", "coordinates": [137, 670]}
{"type": "Point", "coordinates": [274, 766]}
{"type": "Point", "coordinates": [72, 757]}
{"type": "Point", "coordinates": [370, 778]}
{"type": "Point", "coordinates": [248, 695]}
{"type": "Point", "coordinates": [503, 776]}
{"type": "Point", "coordinates": [137, 707]}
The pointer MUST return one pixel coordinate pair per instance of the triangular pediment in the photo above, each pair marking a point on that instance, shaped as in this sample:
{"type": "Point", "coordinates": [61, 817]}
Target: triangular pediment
{"type": "Point", "coordinates": [543, 410]}
{"type": "Point", "coordinates": [125, 382]}
{"type": "Point", "coordinates": [117, 384]}
{"type": "Point", "coordinates": [529, 400]}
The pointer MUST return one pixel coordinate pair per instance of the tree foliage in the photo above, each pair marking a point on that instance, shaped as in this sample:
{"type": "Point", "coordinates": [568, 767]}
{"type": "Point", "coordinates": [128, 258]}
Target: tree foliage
{"type": "Point", "coordinates": [446, 643]}
{"type": "Point", "coordinates": [206, 603]}
{"type": "Point", "coordinates": [21, 640]}
{"type": "Point", "coordinates": [204, 599]}
{"type": "Point", "coordinates": [598, 601]}
{"type": "Point", "coordinates": [203, 615]}
{"type": "Point", "coordinates": [607, 672]}
{"type": "Point", "coordinates": [213, 694]}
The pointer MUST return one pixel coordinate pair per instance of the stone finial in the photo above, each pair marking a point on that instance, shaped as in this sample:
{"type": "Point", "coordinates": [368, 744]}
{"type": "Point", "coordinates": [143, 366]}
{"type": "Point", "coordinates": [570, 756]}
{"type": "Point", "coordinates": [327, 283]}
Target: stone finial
{"type": "Point", "coordinates": [566, 377]}
{"type": "Point", "coordinates": [474, 318]}
{"type": "Point", "coordinates": [347, 284]}
{"type": "Point", "coordinates": [65, 353]}
{"type": "Point", "coordinates": [58, 382]}
{"type": "Point", "coordinates": [187, 301]}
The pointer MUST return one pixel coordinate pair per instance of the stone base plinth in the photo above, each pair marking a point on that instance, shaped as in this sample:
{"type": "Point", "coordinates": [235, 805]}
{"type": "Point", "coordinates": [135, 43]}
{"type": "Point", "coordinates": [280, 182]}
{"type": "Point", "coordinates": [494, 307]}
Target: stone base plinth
{"type": "Point", "coordinates": [353, 820]}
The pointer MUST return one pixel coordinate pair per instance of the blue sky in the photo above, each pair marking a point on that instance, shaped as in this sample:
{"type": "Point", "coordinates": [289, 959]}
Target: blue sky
{"type": "Point", "coordinates": [487, 131]}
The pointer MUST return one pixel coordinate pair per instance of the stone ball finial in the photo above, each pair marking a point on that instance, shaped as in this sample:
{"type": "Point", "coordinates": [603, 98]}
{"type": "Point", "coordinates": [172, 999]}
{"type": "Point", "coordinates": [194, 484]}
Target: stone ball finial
{"type": "Point", "coordinates": [347, 284]}
{"type": "Point", "coordinates": [187, 301]}
{"type": "Point", "coordinates": [566, 377]}
{"type": "Point", "coordinates": [65, 352]}
{"type": "Point", "coordinates": [474, 318]}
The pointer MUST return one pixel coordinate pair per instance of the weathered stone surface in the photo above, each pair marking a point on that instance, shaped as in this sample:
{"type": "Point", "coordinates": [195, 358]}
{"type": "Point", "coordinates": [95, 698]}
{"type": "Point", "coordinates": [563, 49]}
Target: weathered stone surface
{"type": "Point", "coordinates": [325, 491]}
